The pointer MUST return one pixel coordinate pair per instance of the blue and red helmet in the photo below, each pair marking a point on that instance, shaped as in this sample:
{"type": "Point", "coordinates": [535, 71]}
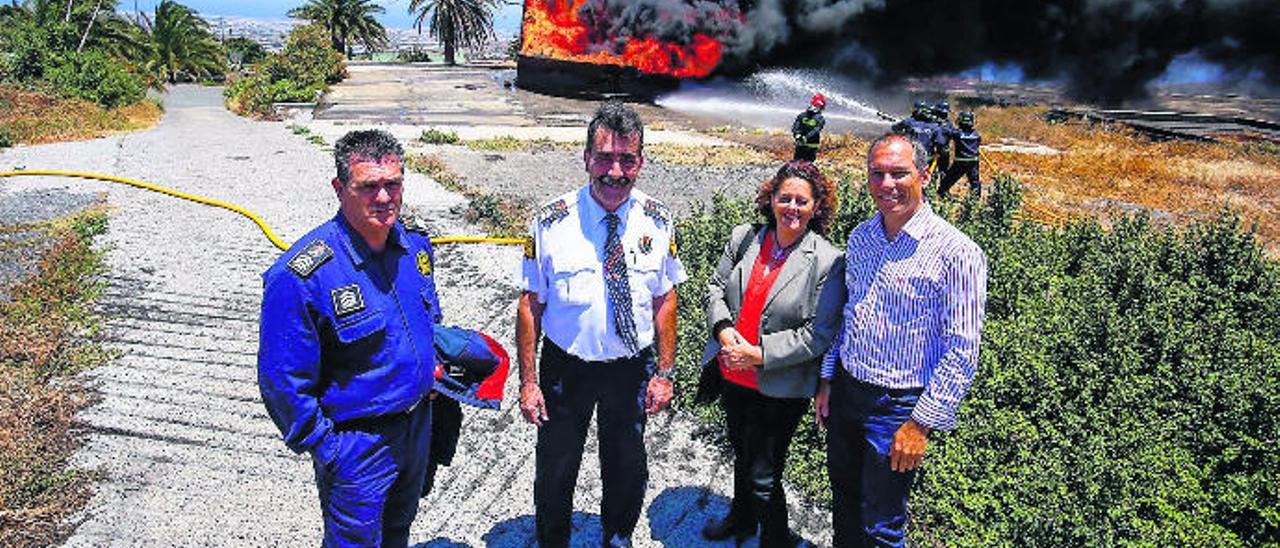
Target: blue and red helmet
{"type": "Point", "coordinates": [471, 367]}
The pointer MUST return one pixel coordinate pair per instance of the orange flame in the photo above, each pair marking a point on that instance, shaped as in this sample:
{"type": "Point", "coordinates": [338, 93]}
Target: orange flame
{"type": "Point", "coordinates": [552, 29]}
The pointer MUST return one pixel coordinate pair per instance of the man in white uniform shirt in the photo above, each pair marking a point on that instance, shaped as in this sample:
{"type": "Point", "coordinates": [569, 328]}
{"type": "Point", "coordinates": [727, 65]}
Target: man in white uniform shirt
{"type": "Point", "coordinates": [599, 278]}
{"type": "Point", "coordinates": [908, 349]}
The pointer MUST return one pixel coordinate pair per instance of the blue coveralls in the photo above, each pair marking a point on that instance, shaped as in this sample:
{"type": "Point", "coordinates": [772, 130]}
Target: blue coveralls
{"type": "Point", "coordinates": [924, 132]}
{"type": "Point", "coordinates": [967, 142]}
{"type": "Point", "coordinates": [345, 360]}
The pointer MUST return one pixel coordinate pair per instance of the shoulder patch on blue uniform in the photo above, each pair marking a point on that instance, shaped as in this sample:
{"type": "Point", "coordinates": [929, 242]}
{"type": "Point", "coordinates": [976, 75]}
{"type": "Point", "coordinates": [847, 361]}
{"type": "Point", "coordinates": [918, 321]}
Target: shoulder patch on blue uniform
{"type": "Point", "coordinates": [414, 223]}
{"type": "Point", "coordinates": [657, 210]}
{"type": "Point", "coordinates": [424, 263]}
{"type": "Point", "coordinates": [347, 300]}
{"type": "Point", "coordinates": [310, 258]}
{"type": "Point", "coordinates": [530, 248]}
{"type": "Point", "coordinates": [553, 212]}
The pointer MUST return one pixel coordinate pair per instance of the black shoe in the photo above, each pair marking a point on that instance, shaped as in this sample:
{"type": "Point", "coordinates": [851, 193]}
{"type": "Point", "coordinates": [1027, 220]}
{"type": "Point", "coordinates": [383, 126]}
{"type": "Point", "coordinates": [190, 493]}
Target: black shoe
{"type": "Point", "coordinates": [723, 529]}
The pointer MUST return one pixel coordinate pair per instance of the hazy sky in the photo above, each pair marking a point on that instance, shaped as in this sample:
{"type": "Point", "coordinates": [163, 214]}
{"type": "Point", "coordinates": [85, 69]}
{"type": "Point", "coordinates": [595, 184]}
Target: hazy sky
{"type": "Point", "coordinates": [506, 22]}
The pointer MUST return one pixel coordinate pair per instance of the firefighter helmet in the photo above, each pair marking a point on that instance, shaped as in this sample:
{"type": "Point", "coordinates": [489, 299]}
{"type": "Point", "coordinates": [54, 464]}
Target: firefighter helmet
{"type": "Point", "coordinates": [919, 108]}
{"type": "Point", "coordinates": [965, 120]}
{"type": "Point", "coordinates": [942, 109]}
{"type": "Point", "coordinates": [818, 101]}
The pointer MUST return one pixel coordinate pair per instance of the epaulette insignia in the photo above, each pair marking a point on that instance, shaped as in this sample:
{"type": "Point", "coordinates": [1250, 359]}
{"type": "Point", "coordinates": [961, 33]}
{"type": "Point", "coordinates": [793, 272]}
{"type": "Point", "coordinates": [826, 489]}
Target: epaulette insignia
{"type": "Point", "coordinates": [671, 248]}
{"type": "Point", "coordinates": [424, 263]}
{"type": "Point", "coordinates": [414, 223]}
{"type": "Point", "coordinates": [553, 212]}
{"type": "Point", "coordinates": [310, 258]}
{"type": "Point", "coordinates": [658, 211]}
{"type": "Point", "coordinates": [530, 248]}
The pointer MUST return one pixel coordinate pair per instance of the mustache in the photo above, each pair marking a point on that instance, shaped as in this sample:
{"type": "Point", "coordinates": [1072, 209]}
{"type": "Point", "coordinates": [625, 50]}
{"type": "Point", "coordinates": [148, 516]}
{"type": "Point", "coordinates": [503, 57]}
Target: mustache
{"type": "Point", "coordinates": [607, 180]}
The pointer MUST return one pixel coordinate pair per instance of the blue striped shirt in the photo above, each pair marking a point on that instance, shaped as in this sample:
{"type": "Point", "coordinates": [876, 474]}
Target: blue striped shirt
{"type": "Point", "coordinates": [914, 314]}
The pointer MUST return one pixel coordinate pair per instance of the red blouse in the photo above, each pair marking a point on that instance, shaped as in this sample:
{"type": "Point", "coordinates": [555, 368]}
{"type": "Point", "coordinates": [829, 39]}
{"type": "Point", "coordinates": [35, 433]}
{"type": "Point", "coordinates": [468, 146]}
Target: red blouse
{"type": "Point", "coordinates": [752, 306]}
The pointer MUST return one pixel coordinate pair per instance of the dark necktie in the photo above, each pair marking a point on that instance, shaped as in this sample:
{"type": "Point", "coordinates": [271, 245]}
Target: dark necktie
{"type": "Point", "coordinates": [615, 277]}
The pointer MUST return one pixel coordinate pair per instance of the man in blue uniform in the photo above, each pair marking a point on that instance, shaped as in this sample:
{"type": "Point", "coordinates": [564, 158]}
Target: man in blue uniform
{"type": "Point", "coordinates": [968, 141]}
{"type": "Point", "coordinates": [599, 278]}
{"type": "Point", "coordinates": [345, 356]}
{"type": "Point", "coordinates": [942, 138]}
{"type": "Point", "coordinates": [921, 127]}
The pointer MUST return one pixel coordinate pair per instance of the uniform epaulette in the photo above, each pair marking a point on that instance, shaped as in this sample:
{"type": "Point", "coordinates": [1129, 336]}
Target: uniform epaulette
{"type": "Point", "coordinates": [414, 223]}
{"type": "Point", "coordinates": [553, 212]}
{"type": "Point", "coordinates": [658, 211]}
{"type": "Point", "coordinates": [310, 258]}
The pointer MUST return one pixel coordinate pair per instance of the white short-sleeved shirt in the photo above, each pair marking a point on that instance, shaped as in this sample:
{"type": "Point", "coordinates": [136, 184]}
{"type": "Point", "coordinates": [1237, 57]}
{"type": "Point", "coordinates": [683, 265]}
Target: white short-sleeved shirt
{"type": "Point", "coordinates": [563, 266]}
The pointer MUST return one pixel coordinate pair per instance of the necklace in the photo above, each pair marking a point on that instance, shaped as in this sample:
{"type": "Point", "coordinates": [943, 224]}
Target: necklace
{"type": "Point", "coordinates": [779, 252]}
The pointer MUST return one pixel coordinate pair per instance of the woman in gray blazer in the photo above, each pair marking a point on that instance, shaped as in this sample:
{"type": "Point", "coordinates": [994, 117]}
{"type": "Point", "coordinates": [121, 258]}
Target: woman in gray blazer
{"type": "Point", "coordinates": [772, 315]}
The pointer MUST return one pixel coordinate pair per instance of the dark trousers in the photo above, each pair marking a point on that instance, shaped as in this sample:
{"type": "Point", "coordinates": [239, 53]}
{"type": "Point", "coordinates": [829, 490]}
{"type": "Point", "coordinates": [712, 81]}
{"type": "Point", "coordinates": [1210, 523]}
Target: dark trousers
{"type": "Point", "coordinates": [573, 389]}
{"type": "Point", "coordinates": [760, 430]}
{"type": "Point", "coordinates": [371, 476]}
{"type": "Point", "coordinates": [869, 499]}
{"type": "Point", "coordinates": [806, 152]}
{"type": "Point", "coordinates": [965, 168]}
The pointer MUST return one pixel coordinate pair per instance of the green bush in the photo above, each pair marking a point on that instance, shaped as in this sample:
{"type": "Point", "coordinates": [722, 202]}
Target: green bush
{"type": "Point", "coordinates": [1128, 391]}
{"type": "Point", "coordinates": [5, 140]}
{"type": "Point", "coordinates": [301, 73]}
{"type": "Point", "coordinates": [96, 77]}
{"type": "Point", "coordinates": [414, 55]}
{"type": "Point", "coordinates": [434, 136]}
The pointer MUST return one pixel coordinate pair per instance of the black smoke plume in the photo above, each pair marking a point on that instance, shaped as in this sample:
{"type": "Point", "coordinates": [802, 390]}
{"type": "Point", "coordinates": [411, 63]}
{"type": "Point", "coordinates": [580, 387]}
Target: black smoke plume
{"type": "Point", "coordinates": [1104, 51]}
{"type": "Point", "coordinates": [612, 23]}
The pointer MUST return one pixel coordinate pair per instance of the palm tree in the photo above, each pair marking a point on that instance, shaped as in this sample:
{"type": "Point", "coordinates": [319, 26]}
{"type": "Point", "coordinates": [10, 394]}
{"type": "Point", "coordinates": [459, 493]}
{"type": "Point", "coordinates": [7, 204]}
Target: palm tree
{"type": "Point", "coordinates": [349, 22]}
{"type": "Point", "coordinates": [456, 23]}
{"type": "Point", "coordinates": [179, 45]}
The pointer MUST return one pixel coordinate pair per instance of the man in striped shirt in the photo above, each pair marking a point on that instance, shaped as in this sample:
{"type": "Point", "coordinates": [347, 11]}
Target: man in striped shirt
{"type": "Point", "coordinates": [907, 352]}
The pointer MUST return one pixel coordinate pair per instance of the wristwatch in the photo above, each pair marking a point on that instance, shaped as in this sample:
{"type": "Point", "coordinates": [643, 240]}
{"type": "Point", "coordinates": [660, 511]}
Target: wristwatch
{"type": "Point", "coordinates": [664, 373]}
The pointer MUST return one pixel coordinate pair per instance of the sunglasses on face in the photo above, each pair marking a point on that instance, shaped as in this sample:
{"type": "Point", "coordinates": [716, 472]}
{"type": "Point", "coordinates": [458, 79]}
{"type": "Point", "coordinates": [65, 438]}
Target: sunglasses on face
{"type": "Point", "coordinates": [626, 161]}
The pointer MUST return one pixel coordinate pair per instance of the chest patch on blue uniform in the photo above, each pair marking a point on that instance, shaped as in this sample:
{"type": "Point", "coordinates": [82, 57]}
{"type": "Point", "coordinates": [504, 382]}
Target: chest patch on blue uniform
{"type": "Point", "coordinates": [347, 300]}
{"type": "Point", "coordinates": [424, 263]}
{"type": "Point", "coordinates": [310, 258]}
{"type": "Point", "coordinates": [553, 212]}
{"type": "Point", "coordinates": [659, 212]}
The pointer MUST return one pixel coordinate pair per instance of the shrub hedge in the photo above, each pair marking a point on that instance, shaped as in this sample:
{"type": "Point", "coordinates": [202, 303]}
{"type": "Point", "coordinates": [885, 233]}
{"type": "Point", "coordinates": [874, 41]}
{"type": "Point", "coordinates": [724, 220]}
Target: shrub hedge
{"type": "Point", "coordinates": [300, 73]}
{"type": "Point", "coordinates": [95, 77]}
{"type": "Point", "coordinates": [1128, 391]}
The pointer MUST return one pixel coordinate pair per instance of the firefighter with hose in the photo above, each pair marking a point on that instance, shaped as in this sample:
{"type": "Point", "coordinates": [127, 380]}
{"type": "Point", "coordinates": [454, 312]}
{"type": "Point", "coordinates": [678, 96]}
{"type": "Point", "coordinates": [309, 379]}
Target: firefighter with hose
{"type": "Point", "coordinates": [807, 129]}
{"type": "Point", "coordinates": [968, 141]}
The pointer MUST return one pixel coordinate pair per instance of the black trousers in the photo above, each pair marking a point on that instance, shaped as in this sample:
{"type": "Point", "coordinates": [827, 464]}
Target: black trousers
{"type": "Point", "coordinates": [961, 168]}
{"type": "Point", "coordinates": [573, 389]}
{"type": "Point", "coordinates": [804, 152]}
{"type": "Point", "coordinates": [760, 431]}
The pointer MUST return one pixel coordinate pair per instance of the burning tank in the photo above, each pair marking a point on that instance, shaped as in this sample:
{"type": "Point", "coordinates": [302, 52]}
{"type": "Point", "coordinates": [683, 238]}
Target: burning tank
{"type": "Point", "coordinates": [603, 48]}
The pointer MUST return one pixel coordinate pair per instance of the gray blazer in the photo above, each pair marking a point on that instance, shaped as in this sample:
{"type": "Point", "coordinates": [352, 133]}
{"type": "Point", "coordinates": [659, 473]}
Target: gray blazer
{"type": "Point", "coordinates": [801, 314]}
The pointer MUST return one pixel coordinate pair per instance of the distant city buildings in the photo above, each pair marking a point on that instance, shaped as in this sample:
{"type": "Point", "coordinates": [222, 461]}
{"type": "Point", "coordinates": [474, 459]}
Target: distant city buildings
{"type": "Point", "coordinates": [271, 33]}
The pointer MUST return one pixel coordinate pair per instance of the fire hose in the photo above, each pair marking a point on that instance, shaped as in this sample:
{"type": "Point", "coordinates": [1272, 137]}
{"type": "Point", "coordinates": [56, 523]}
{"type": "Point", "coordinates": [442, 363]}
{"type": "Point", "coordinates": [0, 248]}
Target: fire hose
{"type": "Point", "coordinates": [275, 240]}
{"type": "Point", "coordinates": [1039, 214]}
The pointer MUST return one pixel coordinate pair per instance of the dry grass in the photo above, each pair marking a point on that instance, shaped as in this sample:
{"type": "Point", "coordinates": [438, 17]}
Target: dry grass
{"type": "Point", "coordinates": [706, 156]}
{"type": "Point", "coordinates": [1100, 166]}
{"type": "Point", "coordinates": [47, 334]}
{"type": "Point", "coordinates": [502, 216]}
{"type": "Point", "coordinates": [509, 143]}
{"type": "Point", "coordinates": [29, 117]}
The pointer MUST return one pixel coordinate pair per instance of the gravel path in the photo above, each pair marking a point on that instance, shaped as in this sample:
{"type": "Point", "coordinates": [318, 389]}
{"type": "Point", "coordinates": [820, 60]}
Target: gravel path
{"type": "Point", "coordinates": [189, 455]}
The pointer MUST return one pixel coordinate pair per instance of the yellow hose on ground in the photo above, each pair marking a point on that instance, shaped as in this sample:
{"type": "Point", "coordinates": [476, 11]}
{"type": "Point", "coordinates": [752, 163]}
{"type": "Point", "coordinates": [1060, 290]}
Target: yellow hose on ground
{"type": "Point", "coordinates": [232, 207]}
